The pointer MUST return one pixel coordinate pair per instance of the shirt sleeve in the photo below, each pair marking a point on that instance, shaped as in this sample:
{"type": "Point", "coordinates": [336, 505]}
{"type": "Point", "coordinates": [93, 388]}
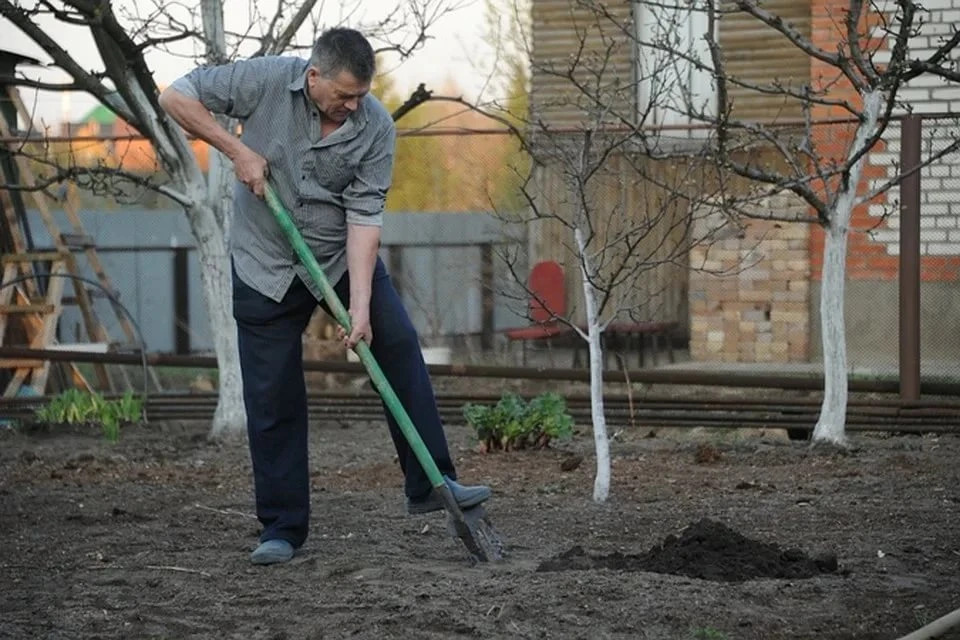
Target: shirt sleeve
{"type": "Point", "coordinates": [365, 196]}
{"type": "Point", "coordinates": [233, 89]}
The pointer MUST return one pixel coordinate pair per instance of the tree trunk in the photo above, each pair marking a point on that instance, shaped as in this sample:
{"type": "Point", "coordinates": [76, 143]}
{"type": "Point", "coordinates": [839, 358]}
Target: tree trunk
{"type": "Point", "coordinates": [831, 426]}
{"type": "Point", "coordinates": [211, 226]}
{"type": "Point", "coordinates": [230, 416]}
{"type": "Point", "coordinates": [601, 484]}
{"type": "Point", "coordinates": [833, 411]}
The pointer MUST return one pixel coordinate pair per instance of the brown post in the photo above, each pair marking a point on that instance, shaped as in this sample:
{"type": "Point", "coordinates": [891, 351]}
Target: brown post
{"type": "Point", "coordinates": [487, 294]}
{"type": "Point", "coordinates": [181, 301]}
{"type": "Point", "coordinates": [910, 158]}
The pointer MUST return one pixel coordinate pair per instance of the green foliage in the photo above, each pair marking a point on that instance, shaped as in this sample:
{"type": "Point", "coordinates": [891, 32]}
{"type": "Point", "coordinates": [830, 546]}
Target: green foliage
{"type": "Point", "coordinates": [77, 407]}
{"type": "Point", "coordinates": [513, 424]}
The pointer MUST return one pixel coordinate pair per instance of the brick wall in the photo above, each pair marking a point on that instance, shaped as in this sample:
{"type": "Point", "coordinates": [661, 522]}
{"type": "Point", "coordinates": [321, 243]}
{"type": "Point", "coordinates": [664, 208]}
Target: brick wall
{"type": "Point", "coordinates": [750, 291]}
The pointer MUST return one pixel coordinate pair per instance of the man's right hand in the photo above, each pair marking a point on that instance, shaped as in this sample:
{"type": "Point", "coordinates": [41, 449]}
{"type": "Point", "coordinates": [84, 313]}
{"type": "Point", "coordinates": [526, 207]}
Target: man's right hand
{"type": "Point", "coordinates": [251, 170]}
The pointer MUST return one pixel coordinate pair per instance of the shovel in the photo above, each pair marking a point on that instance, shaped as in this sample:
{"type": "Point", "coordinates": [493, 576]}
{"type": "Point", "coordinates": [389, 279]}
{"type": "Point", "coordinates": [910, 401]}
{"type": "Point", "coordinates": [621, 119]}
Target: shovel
{"type": "Point", "coordinates": [471, 526]}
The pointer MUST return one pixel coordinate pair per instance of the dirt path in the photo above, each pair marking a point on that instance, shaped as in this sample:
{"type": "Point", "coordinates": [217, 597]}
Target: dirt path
{"type": "Point", "coordinates": [149, 538]}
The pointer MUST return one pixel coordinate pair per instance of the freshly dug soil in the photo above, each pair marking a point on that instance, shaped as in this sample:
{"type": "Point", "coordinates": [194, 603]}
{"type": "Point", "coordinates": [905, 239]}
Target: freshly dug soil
{"type": "Point", "coordinates": [707, 550]}
{"type": "Point", "coordinates": [150, 538]}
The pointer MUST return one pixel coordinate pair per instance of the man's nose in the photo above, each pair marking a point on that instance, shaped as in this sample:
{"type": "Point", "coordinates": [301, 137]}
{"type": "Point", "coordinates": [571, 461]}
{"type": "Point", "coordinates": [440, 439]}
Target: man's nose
{"type": "Point", "coordinates": [352, 104]}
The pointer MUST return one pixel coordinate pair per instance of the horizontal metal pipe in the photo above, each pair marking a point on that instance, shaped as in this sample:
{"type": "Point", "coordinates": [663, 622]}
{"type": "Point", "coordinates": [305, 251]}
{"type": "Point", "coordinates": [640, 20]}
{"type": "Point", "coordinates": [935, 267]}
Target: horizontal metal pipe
{"type": "Point", "coordinates": [686, 424]}
{"type": "Point", "coordinates": [643, 376]}
{"type": "Point", "coordinates": [336, 395]}
{"type": "Point", "coordinates": [621, 415]}
{"type": "Point", "coordinates": [891, 413]}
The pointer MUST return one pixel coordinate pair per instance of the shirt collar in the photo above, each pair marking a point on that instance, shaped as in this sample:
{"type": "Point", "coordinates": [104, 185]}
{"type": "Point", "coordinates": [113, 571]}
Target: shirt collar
{"type": "Point", "coordinates": [300, 82]}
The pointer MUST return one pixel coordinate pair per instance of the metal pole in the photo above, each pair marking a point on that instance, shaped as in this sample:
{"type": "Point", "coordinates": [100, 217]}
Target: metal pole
{"type": "Point", "coordinates": [910, 158]}
{"type": "Point", "coordinates": [30, 358]}
{"type": "Point", "coordinates": [181, 301]}
{"type": "Point", "coordinates": [487, 295]}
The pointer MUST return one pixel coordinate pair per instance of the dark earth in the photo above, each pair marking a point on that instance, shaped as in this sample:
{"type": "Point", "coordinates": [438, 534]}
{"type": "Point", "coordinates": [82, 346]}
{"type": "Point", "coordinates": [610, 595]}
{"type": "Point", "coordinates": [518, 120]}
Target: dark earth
{"type": "Point", "coordinates": [765, 539]}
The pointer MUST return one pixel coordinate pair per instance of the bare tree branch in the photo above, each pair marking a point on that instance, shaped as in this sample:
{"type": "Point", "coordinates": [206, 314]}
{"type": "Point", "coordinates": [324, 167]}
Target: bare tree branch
{"type": "Point", "coordinates": [23, 20]}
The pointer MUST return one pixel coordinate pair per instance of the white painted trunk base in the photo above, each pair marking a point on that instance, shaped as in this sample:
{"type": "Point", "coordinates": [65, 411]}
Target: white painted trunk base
{"type": "Point", "coordinates": [230, 416]}
{"type": "Point", "coordinates": [601, 484]}
{"type": "Point", "coordinates": [831, 426]}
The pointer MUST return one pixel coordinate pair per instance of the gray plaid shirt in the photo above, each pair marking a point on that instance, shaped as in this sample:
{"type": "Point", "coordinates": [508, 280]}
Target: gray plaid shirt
{"type": "Point", "coordinates": [325, 183]}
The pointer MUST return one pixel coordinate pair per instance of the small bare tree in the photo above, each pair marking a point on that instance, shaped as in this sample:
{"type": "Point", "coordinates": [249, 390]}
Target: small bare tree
{"type": "Point", "coordinates": [615, 200]}
{"type": "Point", "coordinates": [125, 84]}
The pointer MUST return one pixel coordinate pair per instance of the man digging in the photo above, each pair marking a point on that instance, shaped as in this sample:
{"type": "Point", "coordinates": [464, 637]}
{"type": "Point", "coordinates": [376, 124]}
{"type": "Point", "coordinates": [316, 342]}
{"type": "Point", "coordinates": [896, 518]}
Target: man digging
{"type": "Point", "coordinates": [328, 148]}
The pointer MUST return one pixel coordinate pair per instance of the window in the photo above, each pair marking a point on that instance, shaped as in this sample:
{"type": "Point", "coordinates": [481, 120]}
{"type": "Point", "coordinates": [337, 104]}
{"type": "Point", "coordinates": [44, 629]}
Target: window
{"type": "Point", "coordinates": [674, 83]}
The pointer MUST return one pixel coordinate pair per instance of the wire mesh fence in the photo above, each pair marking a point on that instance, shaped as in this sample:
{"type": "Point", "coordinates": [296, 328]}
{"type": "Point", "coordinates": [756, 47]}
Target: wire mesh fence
{"type": "Point", "coordinates": [903, 305]}
{"type": "Point", "coordinates": [939, 186]}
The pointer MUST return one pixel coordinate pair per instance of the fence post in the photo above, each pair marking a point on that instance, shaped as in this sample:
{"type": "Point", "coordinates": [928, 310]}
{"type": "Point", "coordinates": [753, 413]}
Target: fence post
{"type": "Point", "coordinates": [181, 301]}
{"type": "Point", "coordinates": [909, 280]}
{"type": "Point", "coordinates": [487, 296]}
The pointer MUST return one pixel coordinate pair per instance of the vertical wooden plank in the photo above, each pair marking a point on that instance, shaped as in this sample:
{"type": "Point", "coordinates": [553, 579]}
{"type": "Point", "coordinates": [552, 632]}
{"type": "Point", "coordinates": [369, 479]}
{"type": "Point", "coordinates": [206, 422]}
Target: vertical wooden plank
{"type": "Point", "coordinates": [6, 294]}
{"type": "Point", "coordinates": [45, 338]}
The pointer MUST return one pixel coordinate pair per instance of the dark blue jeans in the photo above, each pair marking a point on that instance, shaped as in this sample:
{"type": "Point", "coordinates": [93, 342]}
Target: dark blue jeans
{"type": "Point", "coordinates": [274, 391]}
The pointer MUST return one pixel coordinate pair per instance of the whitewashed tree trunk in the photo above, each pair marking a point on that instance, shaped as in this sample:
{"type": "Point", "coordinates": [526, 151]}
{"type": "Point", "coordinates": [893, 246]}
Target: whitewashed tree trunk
{"type": "Point", "coordinates": [831, 426]}
{"type": "Point", "coordinates": [601, 484]}
{"type": "Point", "coordinates": [211, 228]}
{"type": "Point", "coordinates": [230, 416]}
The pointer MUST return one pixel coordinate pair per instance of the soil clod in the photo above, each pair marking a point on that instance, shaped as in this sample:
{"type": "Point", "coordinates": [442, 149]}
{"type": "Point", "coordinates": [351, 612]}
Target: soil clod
{"type": "Point", "coordinates": [708, 550]}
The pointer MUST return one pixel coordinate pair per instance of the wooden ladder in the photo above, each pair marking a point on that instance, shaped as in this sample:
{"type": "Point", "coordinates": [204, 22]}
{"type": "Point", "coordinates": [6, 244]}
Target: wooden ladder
{"type": "Point", "coordinates": [40, 313]}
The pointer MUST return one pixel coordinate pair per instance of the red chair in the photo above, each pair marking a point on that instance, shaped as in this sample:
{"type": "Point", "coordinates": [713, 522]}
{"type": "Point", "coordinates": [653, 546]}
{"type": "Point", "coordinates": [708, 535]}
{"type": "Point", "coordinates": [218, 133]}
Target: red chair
{"type": "Point", "coordinates": [548, 301]}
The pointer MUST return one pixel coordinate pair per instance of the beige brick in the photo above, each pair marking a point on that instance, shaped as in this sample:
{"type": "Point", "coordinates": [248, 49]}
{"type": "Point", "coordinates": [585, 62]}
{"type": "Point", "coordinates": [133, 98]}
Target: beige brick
{"type": "Point", "coordinates": [755, 295]}
{"type": "Point", "coordinates": [787, 316]}
{"type": "Point", "coordinates": [789, 296]}
{"type": "Point", "coordinates": [794, 232]}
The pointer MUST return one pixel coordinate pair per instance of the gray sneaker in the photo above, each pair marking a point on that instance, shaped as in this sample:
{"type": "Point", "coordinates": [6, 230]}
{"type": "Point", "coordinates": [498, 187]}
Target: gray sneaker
{"type": "Point", "coordinates": [466, 497]}
{"type": "Point", "coordinates": [272, 552]}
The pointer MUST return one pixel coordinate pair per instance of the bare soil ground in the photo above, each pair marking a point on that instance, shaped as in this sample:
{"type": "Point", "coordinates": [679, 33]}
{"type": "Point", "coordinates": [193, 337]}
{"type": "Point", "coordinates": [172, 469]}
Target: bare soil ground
{"type": "Point", "coordinates": [149, 538]}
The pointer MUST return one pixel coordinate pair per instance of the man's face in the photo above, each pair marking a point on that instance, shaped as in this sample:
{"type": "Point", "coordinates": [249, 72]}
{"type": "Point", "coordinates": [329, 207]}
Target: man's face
{"type": "Point", "coordinates": [336, 97]}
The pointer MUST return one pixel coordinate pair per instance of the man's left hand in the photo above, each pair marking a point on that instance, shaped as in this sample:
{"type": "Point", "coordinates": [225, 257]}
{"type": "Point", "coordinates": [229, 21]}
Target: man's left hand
{"type": "Point", "coordinates": [360, 329]}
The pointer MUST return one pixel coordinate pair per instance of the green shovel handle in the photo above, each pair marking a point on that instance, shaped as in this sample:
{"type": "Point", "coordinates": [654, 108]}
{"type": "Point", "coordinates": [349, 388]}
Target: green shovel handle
{"type": "Point", "coordinates": [362, 349]}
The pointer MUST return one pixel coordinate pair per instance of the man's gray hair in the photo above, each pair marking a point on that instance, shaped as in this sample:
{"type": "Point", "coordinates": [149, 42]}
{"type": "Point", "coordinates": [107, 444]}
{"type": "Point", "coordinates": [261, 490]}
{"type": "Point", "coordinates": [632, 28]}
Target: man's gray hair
{"type": "Point", "coordinates": [342, 49]}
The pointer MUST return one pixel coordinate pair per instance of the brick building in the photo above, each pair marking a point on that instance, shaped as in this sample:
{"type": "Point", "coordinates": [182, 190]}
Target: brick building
{"type": "Point", "coordinates": [767, 309]}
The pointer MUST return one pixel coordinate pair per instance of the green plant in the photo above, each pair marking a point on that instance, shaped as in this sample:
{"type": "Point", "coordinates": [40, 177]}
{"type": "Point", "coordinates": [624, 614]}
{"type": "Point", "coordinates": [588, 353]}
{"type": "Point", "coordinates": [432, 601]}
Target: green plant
{"type": "Point", "coordinates": [513, 424]}
{"type": "Point", "coordinates": [77, 407]}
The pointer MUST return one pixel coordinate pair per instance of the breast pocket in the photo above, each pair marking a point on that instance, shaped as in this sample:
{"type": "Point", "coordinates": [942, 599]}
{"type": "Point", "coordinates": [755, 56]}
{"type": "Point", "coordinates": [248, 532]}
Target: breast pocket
{"type": "Point", "coordinates": [335, 167]}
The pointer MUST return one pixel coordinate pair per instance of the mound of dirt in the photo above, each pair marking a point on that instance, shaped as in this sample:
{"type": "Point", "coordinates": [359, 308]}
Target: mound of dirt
{"type": "Point", "coordinates": [707, 550]}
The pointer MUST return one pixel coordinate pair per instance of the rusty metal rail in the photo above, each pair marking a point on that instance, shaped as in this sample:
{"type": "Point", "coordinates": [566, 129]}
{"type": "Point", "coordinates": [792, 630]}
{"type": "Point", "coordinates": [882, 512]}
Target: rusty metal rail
{"type": "Point", "coordinates": [797, 414]}
{"type": "Point", "coordinates": [811, 382]}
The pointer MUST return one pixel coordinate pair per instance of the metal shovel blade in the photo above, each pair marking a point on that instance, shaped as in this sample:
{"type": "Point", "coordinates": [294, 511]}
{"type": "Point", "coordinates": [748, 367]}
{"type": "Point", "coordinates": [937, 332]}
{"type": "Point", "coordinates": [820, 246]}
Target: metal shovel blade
{"type": "Point", "coordinates": [476, 530]}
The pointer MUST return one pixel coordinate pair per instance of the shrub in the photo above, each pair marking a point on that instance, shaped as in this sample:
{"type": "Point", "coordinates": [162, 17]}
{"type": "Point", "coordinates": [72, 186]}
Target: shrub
{"type": "Point", "coordinates": [513, 424]}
